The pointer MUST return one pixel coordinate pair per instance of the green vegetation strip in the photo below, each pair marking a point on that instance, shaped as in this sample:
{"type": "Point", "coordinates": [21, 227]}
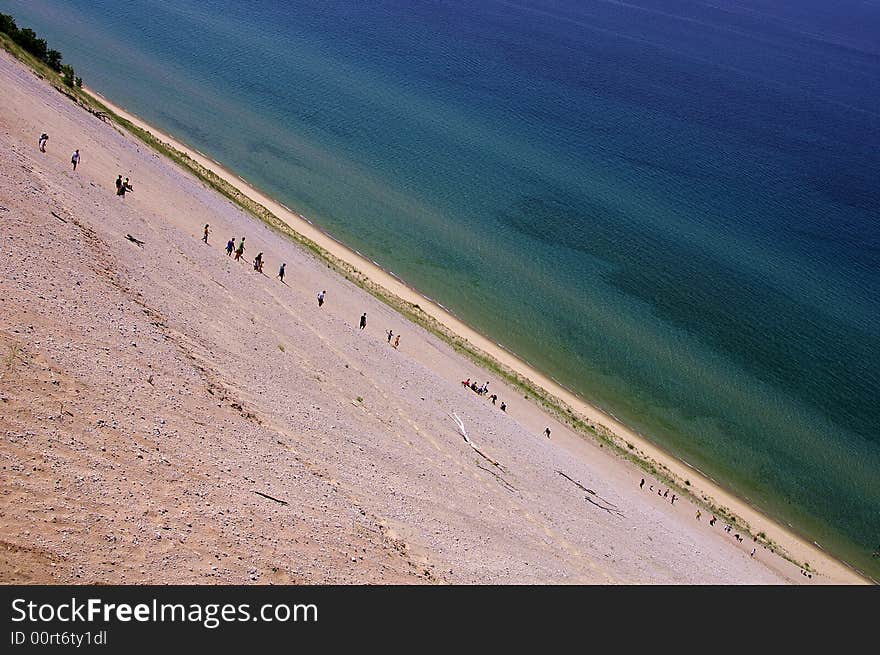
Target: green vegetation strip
{"type": "Point", "coordinates": [411, 311]}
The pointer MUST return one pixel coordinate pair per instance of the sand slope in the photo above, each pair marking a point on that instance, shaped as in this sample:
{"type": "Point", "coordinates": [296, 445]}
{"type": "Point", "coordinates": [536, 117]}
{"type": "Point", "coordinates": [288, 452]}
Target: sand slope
{"type": "Point", "coordinates": [147, 393]}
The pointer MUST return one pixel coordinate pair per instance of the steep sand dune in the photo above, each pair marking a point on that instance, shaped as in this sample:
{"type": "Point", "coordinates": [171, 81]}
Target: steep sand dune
{"type": "Point", "coordinates": [148, 393]}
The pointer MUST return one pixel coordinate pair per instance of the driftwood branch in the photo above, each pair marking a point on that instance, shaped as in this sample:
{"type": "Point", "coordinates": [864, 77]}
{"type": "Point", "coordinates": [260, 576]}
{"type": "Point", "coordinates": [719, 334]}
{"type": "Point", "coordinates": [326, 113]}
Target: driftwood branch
{"type": "Point", "coordinates": [260, 493]}
{"type": "Point", "coordinates": [470, 443]}
{"type": "Point", "coordinates": [589, 491]}
{"type": "Point", "coordinates": [611, 507]}
{"type": "Point", "coordinates": [501, 479]}
{"type": "Point", "coordinates": [58, 217]}
{"type": "Point", "coordinates": [493, 462]}
{"type": "Point", "coordinates": [135, 240]}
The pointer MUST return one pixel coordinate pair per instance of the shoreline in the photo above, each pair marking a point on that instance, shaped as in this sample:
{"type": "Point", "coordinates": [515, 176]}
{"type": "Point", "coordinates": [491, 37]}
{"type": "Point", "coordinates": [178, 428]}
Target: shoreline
{"type": "Point", "coordinates": [700, 487]}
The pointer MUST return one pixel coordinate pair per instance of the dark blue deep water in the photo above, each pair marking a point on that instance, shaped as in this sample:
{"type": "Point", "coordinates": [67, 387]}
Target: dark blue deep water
{"type": "Point", "coordinates": [671, 207]}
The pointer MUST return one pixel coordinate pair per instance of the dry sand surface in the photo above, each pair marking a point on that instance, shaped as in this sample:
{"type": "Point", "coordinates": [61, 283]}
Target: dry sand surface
{"type": "Point", "coordinates": [150, 395]}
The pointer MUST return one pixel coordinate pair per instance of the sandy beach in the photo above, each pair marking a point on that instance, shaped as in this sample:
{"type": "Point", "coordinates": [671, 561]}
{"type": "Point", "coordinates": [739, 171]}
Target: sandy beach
{"type": "Point", "coordinates": [171, 415]}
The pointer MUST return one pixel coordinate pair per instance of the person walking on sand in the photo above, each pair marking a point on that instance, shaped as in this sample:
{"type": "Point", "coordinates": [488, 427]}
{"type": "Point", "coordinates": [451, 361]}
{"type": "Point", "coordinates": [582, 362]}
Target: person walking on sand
{"type": "Point", "coordinates": [118, 184]}
{"type": "Point", "coordinates": [673, 499]}
{"type": "Point", "coordinates": [230, 246]}
{"type": "Point", "coordinates": [258, 262]}
{"type": "Point", "coordinates": [547, 432]}
{"type": "Point", "coordinates": [281, 273]}
{"type": "Point", "coordinates": [753, 552]}
{"type": "Point", "coordinates": [699, 514]}
{"type": "Point", "coordinates": [240, 250]}
{"type": "Point", "coordinates": [390, 334]}
{"type": "Point", "coordinates": [321, 298]}
{"type": "Point", "coordinates": [503, 406]}
{"type": "Point", "coordinates": [712, 521]}
{"type": "Point", "coordinates": [642, 484]}
{"type": "Point", "coordinates": [363, 323]}
{"type": "Point", "coordinates": [42, 142]}
{"type": "Point", "coordinates": [493, 398]}
{"type": "Point", "coordinates": [396, 341]}
{"type": "Point", "coordinates": [205, 238]}
{"type": "Point", "coordinates": [74, 159]}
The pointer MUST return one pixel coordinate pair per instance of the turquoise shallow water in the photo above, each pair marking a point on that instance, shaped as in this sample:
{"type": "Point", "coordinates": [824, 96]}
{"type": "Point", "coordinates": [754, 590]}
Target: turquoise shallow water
{"type": "Point", "coordinates": [671, 207]}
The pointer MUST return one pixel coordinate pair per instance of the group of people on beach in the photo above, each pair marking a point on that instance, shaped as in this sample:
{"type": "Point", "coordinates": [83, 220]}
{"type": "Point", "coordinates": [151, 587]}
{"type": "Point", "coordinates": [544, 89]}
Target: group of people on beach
{"type": "Point", "coordinates": [699, 515]}
{"type": "Point", "coordinates": [396, 338]}
{"type": "Point", "coordinates": [239, 249]}
{"type": "Point", "coordinates": [482, 390]}
{"type": "Point", "coordinates": [123, 186]}
{"type": "Point", "coordinates": [663, 494]}
{"type": "Point", "coordinates": [44, 139]}
{"type": "Point", "coordinates": [736, 535]}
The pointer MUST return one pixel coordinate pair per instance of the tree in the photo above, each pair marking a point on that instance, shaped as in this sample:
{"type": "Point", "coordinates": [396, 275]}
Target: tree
{"type": "Point", "coordinates": [69, 75]}
{"type": "Point", "coordinates": [7, 25]}
{"type": "Point", "coordinates": [53, 59]}
{"type": "Point", "coordinates": [28, 40]}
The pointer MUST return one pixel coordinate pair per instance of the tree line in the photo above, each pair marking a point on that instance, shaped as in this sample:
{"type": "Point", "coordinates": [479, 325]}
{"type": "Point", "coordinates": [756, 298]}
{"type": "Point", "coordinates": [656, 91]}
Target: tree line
{"type": "Point", "coordinates": [28, 41]}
